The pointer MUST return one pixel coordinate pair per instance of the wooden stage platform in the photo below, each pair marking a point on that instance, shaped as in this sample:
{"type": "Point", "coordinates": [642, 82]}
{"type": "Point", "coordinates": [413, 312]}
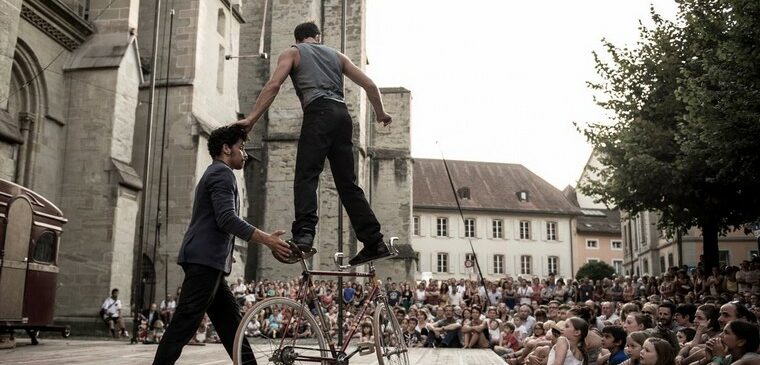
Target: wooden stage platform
{"type": "Point", "coordinates": [80, 352]}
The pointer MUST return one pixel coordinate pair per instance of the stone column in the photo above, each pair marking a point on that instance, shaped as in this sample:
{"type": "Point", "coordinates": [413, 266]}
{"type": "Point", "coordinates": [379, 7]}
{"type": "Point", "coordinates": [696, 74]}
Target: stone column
{"type": "Point", "coordinates": [391, 184]}
{"type": "Point", "coordinates": [9, 18]}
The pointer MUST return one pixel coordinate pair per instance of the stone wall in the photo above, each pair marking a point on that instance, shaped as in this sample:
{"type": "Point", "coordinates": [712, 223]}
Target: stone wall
{"type": "Point", "coordinates": [391, 180]}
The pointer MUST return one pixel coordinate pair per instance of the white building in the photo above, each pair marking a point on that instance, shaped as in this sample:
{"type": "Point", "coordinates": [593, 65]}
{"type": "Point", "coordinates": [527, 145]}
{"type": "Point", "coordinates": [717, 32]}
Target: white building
{"type": "Point", "coordinates": [518, 224]}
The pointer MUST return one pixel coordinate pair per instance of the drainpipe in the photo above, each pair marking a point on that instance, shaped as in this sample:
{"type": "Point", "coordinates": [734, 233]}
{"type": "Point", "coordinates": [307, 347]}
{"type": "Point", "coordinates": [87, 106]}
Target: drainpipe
{"type": "Point", "coordinates": [572, 267]}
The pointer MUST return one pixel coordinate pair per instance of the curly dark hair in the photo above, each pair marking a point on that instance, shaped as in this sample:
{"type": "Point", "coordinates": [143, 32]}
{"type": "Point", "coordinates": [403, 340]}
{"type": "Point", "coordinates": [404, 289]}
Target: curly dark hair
{"type": "Point", "coordinates": [227, 135]}
{"type": "Point", "coordinates": [305, 30]}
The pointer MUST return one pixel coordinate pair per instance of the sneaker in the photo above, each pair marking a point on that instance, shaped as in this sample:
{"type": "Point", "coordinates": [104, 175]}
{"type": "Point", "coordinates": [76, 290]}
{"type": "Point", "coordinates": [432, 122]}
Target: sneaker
{"type": "Point", "coordinates": [375, 252]}
{"type": "Point", "coordinates": [300, 248]}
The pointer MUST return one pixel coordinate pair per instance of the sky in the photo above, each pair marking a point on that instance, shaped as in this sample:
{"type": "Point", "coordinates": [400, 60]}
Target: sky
{"type": "Point", "coordinates": [501, 80]}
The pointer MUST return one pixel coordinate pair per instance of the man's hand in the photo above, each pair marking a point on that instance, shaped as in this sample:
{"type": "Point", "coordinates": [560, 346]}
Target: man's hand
{"type": "Point", "coordinates": [246, 123]}
{"type": "Point", "coordinates": [272, 241]}
{"type": "Point", "coordinates": [385, 119]}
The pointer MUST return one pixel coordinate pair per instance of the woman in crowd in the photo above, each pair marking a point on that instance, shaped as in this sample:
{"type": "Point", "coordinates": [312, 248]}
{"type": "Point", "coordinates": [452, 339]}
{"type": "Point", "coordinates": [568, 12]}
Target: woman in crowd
{"type": "Point", "coordinates": [637, 322]}
{"type": "Point", "coordinates": [444, 295]}
{"type": "Point", "coordinates": [419, 297]}
{"type": "Point", "coordinates": [737, 345]}
{"type": "Point", "coordinates": [656, 351]}
{"type": "Point", "coordinates": [508, 294]}
{"type": "Point", "coordinates": [592, 341]}
{"type": "Point", "coordinates": [560, 292]}
{"type": "Point", "coordinates": [708, 327]}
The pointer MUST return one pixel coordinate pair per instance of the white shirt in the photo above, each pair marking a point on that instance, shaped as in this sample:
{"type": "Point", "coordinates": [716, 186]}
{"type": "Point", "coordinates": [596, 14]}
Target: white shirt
{"type": "Point", "coordinates": [112, 307]}
{"type": "Point", "coordinates": [525, 294]}
{"type": "Point", "coordinates": [170, 306]}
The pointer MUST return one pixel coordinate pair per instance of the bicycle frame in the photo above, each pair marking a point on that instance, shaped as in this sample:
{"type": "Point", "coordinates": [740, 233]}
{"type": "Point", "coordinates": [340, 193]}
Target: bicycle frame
{"type": "Point", "coordinates": [306, 291]}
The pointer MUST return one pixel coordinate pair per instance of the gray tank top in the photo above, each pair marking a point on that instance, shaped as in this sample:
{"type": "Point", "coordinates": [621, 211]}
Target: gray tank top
{"type": "Point", "coordinates": [319, 74]}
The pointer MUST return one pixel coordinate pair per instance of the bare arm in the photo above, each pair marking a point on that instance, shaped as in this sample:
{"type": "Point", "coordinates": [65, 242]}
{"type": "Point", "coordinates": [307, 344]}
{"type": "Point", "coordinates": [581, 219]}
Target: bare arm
{"type": "Point", "coordinates": [373, 93]}
{"type": "Point", "coordinates": [285, 63]}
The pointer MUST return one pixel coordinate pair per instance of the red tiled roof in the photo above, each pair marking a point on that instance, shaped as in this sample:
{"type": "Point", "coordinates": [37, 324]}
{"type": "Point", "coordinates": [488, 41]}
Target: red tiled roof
{"type": "Point", "coordinates": [493, 187]}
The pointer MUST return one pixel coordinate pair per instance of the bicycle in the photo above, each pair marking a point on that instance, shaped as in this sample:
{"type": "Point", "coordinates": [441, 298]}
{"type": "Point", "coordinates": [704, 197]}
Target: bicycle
{"type": "Point", "coordinates": [297, 336]}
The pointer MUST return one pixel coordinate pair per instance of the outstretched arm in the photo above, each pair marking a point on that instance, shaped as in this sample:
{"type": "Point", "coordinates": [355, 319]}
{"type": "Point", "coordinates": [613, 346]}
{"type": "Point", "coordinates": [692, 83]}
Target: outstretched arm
{"type": "Point", "coordinates": [285, 63]}
{"type": "Point", "coordinates": [373, 93]}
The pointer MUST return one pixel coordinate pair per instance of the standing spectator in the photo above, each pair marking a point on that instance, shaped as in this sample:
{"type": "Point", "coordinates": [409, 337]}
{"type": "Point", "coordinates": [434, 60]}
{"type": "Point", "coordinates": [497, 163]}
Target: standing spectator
{"type": "Point", "coordinates": [393, 295]}
{"type": "Point", "coordinates": [524, 293]}
{"type": "Point", "coordinates": [407, 297]}
{"type": "Point", "coordinates": [420, 294]}
{"type": "Point", "coordinates": [509, 294]}
{"type": "Point", "coordinates": [111, 313]}
{"type": "Point", "coordinates": [239, 290]}
{"type": "Point", "coordinates": [742, 278]}
{"type": "Point", "coordinates": [586, 291]}
{"type": "Point", "coordinates": [494, 294]}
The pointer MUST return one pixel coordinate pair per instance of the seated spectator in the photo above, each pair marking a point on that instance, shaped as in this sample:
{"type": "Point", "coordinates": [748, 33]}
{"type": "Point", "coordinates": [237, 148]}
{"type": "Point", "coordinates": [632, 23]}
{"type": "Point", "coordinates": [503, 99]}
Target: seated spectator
{"type": "Point", "coordinates": [446, 332]}
{"type": "Point", "coordinates": [412, 336]}
{"type": "Point", "coordinates": [167, 308]}
{"type": "Point", "coordinates": [151, 315]}
{"type": "Point", "coordinates": [110, 311]}
{"type": "Point", "coordinates": [633, 345]}
{"type": "Point", "coordinates": [366, 332]}
{"type": "Point", "coordinates": [507, 341]}
{"type": "Point", "coordinates": [656, 351]}
{"type": "Point", "coordinates": [685, 335]}
{"type": "Point", "coordinates": [737, 345]}
{"type": "Point", "coordinates": [494, 333]}
{"type": "Point", "coordinates": [474, 331]}
{"type": "Point", "coordinates": [613, 340]}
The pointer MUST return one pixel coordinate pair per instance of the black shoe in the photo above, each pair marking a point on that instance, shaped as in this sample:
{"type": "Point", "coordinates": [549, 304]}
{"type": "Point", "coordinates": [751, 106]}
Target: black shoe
{"type": "Point", "coordinates": [300, 249]}
{"type": "Point", "coordinates": [375, 252]}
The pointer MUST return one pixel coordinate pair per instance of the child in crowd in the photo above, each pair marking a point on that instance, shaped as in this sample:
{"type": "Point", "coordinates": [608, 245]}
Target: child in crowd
{"type": "Point", "coordinates": [614, 340]}
{"type": "Point", "coordinates": [633, 345]}
{"type": "Point", "coordinates": [412, 336]}
{"type": "Point", "coordinates": [685, 335]}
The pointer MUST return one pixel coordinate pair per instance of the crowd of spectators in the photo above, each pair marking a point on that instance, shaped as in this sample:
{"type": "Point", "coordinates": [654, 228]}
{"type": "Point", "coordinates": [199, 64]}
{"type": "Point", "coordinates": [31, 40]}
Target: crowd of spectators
{"type": "Point", "coordinates": [683, 317]}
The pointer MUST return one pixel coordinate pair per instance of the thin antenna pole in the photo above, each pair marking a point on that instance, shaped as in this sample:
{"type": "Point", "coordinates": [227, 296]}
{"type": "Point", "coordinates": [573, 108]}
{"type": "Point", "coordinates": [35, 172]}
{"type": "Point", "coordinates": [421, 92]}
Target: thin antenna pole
{"type": "Point", "coordinates": [459, 207]}
{"type": "Point", "coordinates": [137, 284]}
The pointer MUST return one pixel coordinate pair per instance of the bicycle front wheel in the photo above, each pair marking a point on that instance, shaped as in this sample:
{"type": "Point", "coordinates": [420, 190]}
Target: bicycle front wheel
{"type": "Point", "coordinates": [280, 331]}
{"type": "Point", "coordinates": [389, 340]}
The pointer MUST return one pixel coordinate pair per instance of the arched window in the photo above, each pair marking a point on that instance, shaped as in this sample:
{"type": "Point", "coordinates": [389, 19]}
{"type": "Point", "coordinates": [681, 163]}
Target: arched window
{"type": "Point", "coordinates": [44, 247]}
{"type": "Point", "coordinates": [221, 22]}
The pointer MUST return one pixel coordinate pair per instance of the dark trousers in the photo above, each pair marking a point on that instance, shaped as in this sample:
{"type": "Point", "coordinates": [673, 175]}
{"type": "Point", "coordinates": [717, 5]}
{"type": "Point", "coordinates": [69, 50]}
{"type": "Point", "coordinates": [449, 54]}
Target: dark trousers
{"type": "Point", "coordinates": [204, 290]}
{"type": "Point", "coordinates": [326, 132]}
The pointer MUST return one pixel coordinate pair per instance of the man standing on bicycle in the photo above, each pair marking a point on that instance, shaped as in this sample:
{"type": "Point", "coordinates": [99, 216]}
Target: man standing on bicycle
{"type": "Point", "coordinates": [317, 73]}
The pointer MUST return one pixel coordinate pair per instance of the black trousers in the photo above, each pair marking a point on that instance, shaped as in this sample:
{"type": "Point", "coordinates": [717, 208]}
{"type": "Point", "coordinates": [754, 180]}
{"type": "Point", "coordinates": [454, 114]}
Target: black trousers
{"type": "Point", "coordinates": [326, 132]}
{"type": "Point", "coordinates": [204, 290]}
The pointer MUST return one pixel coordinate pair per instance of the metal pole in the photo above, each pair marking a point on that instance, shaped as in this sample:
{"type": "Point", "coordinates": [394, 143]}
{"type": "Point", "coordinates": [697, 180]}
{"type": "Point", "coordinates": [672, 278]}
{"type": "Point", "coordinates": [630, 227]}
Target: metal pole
{"type": "Point", "coordinates": [137, 290]}
{"type": "Point", "coordinates": [341, 305]}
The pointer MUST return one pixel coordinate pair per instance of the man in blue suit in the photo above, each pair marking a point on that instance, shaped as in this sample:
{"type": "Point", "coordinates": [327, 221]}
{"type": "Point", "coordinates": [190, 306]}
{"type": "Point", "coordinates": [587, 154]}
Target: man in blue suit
{"type": "Point", "coordinates": [206, 252]}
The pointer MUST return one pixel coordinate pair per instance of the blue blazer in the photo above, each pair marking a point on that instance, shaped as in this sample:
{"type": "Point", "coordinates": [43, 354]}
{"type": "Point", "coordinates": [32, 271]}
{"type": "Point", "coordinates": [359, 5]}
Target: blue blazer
{"type": "Point", "coordinates": [215, 223]}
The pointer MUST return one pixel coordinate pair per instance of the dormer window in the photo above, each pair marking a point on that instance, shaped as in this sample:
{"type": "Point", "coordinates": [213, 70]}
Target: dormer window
{"type": "Point", "coordinates": [464, 192]}
{"type": "Point", "coordinates": [522, 195]}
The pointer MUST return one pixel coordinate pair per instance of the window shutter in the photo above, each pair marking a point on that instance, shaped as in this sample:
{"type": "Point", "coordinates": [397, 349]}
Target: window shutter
{"type": "Point", "coordinates": [433, 263]}
{"type": "Point", "coordinates": [461, 258]}
{"type": "Point", "coordinates": [516, 226]}
{"type": "Point", "coordinates": [451, 263]}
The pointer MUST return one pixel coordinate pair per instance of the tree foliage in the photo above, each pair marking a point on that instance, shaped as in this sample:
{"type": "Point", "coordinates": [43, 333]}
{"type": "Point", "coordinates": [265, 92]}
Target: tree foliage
{"type": "Point", "coordinates": [595, 270]}
{"type": "Point", "coordinates": [686, 107]}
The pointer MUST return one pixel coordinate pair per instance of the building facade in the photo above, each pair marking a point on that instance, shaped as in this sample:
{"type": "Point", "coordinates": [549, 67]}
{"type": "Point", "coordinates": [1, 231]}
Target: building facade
{"type": "Point", "coordinates": [74, 103]}
{"type": "Point", "coordinates": [597, 228]}
{"type": "Point", "coordinates": [649, 251]}
{"type": "Point", "coordinates": [517, 223]}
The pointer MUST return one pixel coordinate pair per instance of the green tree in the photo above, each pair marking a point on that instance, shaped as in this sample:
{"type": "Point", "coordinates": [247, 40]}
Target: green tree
{"type": "Point", "coordinates": [684, 103]}
{"type": "Point", "coordinates": [595, 270]}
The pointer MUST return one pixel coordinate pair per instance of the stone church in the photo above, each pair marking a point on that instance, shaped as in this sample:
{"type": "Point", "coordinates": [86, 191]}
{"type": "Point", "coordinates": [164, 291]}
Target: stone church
{"type": "Point", "coordinates": [74, 106]}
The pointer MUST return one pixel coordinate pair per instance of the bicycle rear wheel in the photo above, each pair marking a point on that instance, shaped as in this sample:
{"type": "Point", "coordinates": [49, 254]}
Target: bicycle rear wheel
{"type": "Point", "coordinates": [280, 331]}
{"type": "Point", "coordinates": [389, 340]}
